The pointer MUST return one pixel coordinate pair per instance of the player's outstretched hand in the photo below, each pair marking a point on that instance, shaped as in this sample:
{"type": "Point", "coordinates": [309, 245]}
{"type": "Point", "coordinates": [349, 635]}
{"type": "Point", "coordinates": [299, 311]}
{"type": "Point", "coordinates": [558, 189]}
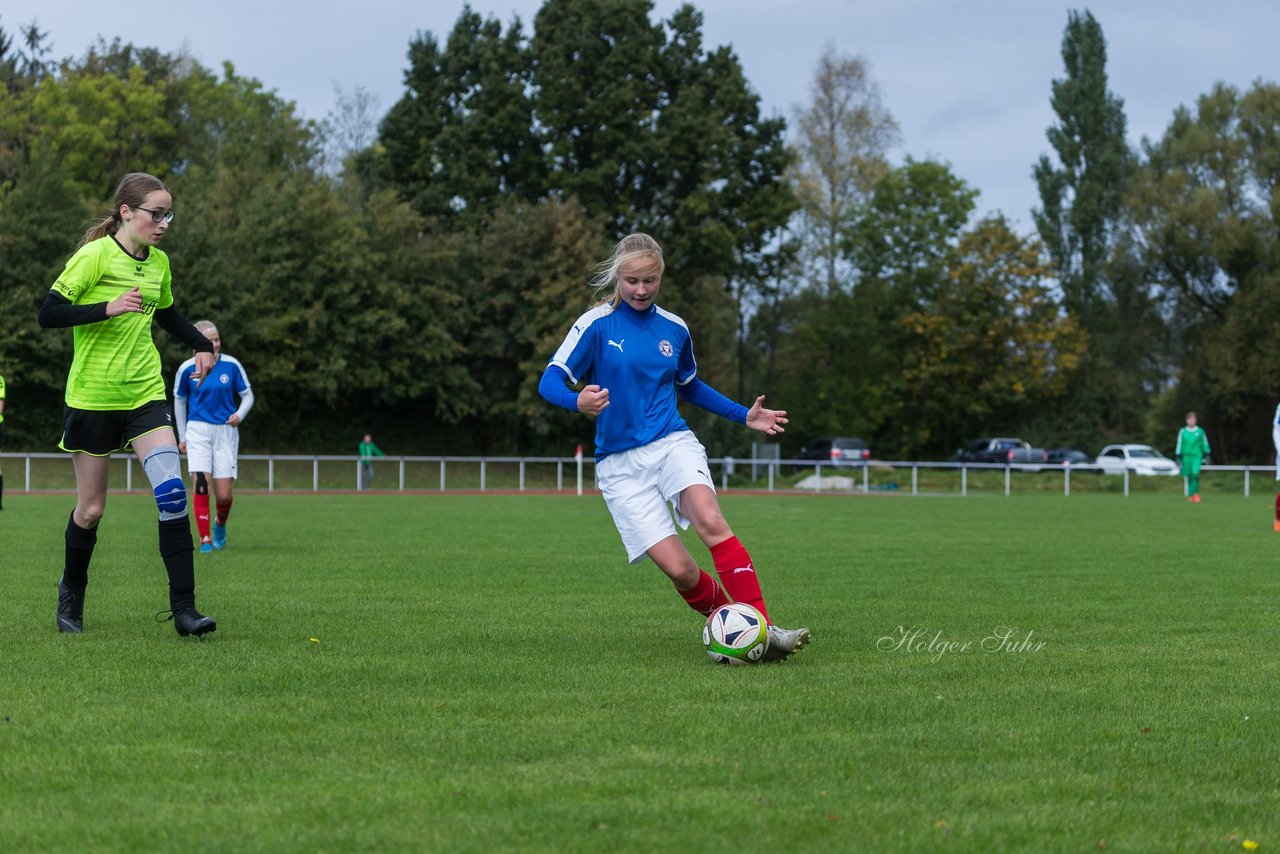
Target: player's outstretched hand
{"type": "Point", "coordinates": [204, 364]}
{"type": "Point", "coordinates": [592, 400]}
{"type": "Point", "coordinates": [767, 421]}
{"type": "Point", "coordinates": [130, 301]}
{"type": "Point", "coordinates": [234, 420]}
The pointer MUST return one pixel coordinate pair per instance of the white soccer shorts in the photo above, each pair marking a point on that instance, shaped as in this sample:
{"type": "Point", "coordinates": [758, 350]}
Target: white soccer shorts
{"type": "Point", "coordinates": [212, 448]}
{"type": "Point", "coordinates": [1275, 440]}
{"type": "Point", "coordinates": [638, 484]}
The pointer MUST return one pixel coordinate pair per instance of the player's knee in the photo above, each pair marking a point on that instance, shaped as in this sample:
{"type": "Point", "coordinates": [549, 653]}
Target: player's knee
{"type": "Point", "coordinates": [89, 514]}
{"type": "Point", "coordinates": [711, 526]}
{"type": "Point", "coordinates": [687, 577]}
{"type": "Point", "coordinates": [164, 469]}
{"type": "Point", "coordinates": [202, 484]}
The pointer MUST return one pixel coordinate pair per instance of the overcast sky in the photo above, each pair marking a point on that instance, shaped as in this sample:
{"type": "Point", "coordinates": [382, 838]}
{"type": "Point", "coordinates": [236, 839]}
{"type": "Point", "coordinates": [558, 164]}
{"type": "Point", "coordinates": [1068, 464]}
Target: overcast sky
{"type": "Point", "coordinates": [968, 81]}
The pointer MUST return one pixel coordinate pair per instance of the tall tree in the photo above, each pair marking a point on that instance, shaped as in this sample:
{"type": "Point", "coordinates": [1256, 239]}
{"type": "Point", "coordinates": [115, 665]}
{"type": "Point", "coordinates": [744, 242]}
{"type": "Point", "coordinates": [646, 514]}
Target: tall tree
{"type": "Point", "coordinates": [1081, 197]}
{"type": "Point", "coordinates": [1207, 214]}
{"type": "Point", "coordinates": [842, 138]}
{"type": "Point", "coordinates": [461, 141]}
{"type": "Point", "coordinates": [527, 274]}
{"type": "Point", "coordinates": [988, 349]}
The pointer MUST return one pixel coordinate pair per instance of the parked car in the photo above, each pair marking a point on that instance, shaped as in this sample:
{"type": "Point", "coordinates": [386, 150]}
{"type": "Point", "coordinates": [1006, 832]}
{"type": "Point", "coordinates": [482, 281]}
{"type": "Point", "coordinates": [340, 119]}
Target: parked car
{"type": "Point", "coordinates": [1069, 457]}
{"type": "Point", "coordinates": [1000, 450]}
{"type": "Point", "coordinates": [837, 450]}
{"type": "Point", "coordinates": [1139, 459]}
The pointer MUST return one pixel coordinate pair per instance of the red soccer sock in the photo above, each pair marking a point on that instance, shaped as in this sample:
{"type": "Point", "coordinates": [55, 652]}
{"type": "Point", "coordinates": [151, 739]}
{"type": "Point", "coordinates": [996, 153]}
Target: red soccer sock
{"type": "Point", "coordinates": [737, 574]}
{"type": "Point", "coordinates": [224, 510]}
{"type": "Point", "coordinates": [706, 596]}
{"type": "Point", "coordinates": [201, 502]}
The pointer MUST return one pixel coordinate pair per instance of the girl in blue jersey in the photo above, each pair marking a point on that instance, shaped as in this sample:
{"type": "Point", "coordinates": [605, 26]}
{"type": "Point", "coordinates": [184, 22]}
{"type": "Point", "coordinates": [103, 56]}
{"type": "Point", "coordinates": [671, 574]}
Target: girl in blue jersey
{"type": "Point", "coordinates": [208, 417]}
{"type": "Point", "coordinates": [637, 358]}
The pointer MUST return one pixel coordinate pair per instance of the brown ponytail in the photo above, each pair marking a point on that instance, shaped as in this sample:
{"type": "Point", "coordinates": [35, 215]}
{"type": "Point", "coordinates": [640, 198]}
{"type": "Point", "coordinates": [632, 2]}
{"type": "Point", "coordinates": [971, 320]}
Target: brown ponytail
{"type": "Point", "coordinates": [131, 191]}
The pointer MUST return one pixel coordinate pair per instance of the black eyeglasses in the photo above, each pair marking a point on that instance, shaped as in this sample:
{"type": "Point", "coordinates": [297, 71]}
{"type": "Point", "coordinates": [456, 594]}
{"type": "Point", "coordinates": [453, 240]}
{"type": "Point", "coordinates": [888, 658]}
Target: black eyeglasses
{"type": "Point", "coordinates": [158, 216]}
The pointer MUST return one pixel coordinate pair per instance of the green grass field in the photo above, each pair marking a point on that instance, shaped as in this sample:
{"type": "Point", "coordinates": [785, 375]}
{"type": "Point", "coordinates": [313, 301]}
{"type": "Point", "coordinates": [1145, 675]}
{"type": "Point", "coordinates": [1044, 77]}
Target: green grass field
{"type": "Point", "coordinates": [487, 674]}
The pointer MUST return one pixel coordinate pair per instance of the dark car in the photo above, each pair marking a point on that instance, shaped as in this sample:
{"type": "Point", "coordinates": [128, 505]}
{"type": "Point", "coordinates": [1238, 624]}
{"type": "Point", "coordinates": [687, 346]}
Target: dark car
{"type": "Point", "coordinates": [1069, 457]}
{"type": "Point", "coordinates": [1000, 450]}
{"type": "Point", "coordinates": [837, 450]}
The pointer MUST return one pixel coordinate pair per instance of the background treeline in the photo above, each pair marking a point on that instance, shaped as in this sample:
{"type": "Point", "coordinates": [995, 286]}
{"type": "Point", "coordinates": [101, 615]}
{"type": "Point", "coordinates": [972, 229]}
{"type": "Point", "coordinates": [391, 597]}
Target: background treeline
{"type": "Point", "coordinates": [409, 273]}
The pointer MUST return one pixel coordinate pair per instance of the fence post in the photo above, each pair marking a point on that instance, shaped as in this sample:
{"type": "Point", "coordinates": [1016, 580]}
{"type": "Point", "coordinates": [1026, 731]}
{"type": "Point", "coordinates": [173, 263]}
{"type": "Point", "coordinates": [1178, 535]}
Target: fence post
{"type": "Point", "coordinates": [315, 474]}
{"type": "Point", "coordinates": [915, 472]}
{"type": "Point", "coordinates": [522, 475]}
{"type": "Point", "coordinates": [1126, 481]}
{"type": "Point", "coordinates": [442, 474]}
{"type": "Point", "coordinates": [1246, 481]}
{"type": "Point", "coordinates": [357, 475]}
{"type": "Point", "coordinates": [1066, 479]}
{"type": "Point", "coordinates": [964, 481]}
{"type": "Point", "coordinates": [271, 474]}
{"type": "Point", "coordinates": [1006, 480]}
{"type": "Point", "coordinates": [817, 477]}
{"type": "Point", "coordinates": [866, 488]}
{"type": "Point", "coordinates": [482, 475]}
{"type": "Point", "coordinates": [771, 466]}
{"type": "Point", "coordinates": [579, 474]}
{"type": "Point", "coordinates": [128, 474]}
{"type": "Point", "coordinates": [28, 468]}
{"type": "Point", "coordinates": [559, 475]}
{"type": "Point", "coordinates": [402, 474]}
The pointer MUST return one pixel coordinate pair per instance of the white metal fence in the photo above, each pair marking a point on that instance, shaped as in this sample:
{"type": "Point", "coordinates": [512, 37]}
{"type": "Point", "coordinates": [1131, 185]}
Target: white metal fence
{"type": "Point", "coordinates": [46, 472]}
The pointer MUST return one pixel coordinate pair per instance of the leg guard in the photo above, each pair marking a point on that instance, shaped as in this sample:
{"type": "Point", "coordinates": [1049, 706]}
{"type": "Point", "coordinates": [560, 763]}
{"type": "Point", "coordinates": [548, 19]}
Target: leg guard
{"type": "Point", "coordinates": [164, 469]}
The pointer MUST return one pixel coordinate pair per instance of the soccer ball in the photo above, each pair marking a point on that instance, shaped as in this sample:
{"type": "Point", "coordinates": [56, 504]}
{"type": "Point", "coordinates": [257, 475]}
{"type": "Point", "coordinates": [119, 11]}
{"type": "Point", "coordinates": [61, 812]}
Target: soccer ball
{"type": "Point", "coordinates": [735, 634]}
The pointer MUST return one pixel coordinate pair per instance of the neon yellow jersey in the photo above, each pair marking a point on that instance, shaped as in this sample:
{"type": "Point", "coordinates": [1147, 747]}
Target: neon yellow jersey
{"type": "Point", "coordinates": [116, 364]}
{"type": "Point", "coordinates": [1, 398]}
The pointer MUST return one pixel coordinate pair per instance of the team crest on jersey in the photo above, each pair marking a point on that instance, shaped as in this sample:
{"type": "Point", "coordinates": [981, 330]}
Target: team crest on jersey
{"type": "Point", "coordinates": [664, 347]}
{"type": "Point", "coordinates": [224, 379]}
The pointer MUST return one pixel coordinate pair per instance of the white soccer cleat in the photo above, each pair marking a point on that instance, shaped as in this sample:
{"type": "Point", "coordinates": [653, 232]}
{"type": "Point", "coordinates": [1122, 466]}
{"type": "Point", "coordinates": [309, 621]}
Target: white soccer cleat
{"type": "Point", "coordinates": [783, 642]}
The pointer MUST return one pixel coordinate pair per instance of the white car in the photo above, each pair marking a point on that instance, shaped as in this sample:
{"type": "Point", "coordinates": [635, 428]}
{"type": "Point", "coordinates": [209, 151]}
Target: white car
{"type": "Point", "coordinates": [1139, 459]}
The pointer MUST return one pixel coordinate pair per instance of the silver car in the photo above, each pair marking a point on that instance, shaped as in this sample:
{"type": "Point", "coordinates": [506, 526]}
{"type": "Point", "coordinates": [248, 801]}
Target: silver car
{"type": "Point", "coordinates": [1139, 459]}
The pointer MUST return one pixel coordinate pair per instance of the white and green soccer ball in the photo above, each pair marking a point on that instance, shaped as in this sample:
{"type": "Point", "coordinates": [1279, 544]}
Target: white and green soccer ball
{"type": "Point", "coordinates": [736, 634]}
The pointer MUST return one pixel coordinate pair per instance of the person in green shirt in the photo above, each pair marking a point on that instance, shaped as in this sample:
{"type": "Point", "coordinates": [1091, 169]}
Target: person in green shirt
{"type": "Point", "coordinates": [1191, 451]}
{"type": "Point", "coordinates": [368, 450]}
{"type": "Point", "coordinates": [114, 285]}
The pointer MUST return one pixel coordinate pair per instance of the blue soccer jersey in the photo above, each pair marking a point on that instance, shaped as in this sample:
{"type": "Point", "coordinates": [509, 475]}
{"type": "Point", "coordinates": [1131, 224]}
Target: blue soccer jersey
{"type": "Point", "coordinates": [639, 357]}
{"type": "Point", "coordinates": [214, 400]}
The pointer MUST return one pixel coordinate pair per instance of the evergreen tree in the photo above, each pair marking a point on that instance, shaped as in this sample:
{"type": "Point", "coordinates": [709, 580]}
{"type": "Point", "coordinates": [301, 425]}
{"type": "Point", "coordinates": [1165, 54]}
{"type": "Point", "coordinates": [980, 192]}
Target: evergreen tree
{"type": "Point", "coordinates": [1081, 197]}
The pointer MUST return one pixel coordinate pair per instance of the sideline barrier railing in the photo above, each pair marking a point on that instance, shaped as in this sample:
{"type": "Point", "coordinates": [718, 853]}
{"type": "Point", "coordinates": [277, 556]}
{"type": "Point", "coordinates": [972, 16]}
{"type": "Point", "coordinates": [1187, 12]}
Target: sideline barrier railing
{"type": "Point", "coordinates": [323, 472]}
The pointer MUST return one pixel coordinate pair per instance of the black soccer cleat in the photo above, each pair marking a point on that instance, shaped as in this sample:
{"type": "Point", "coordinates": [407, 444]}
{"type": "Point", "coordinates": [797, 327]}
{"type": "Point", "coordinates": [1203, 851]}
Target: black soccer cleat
{"type": "Point", "coordinates": [70, 613]}
{"type": "Point", "coordinates": [188, 621]}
